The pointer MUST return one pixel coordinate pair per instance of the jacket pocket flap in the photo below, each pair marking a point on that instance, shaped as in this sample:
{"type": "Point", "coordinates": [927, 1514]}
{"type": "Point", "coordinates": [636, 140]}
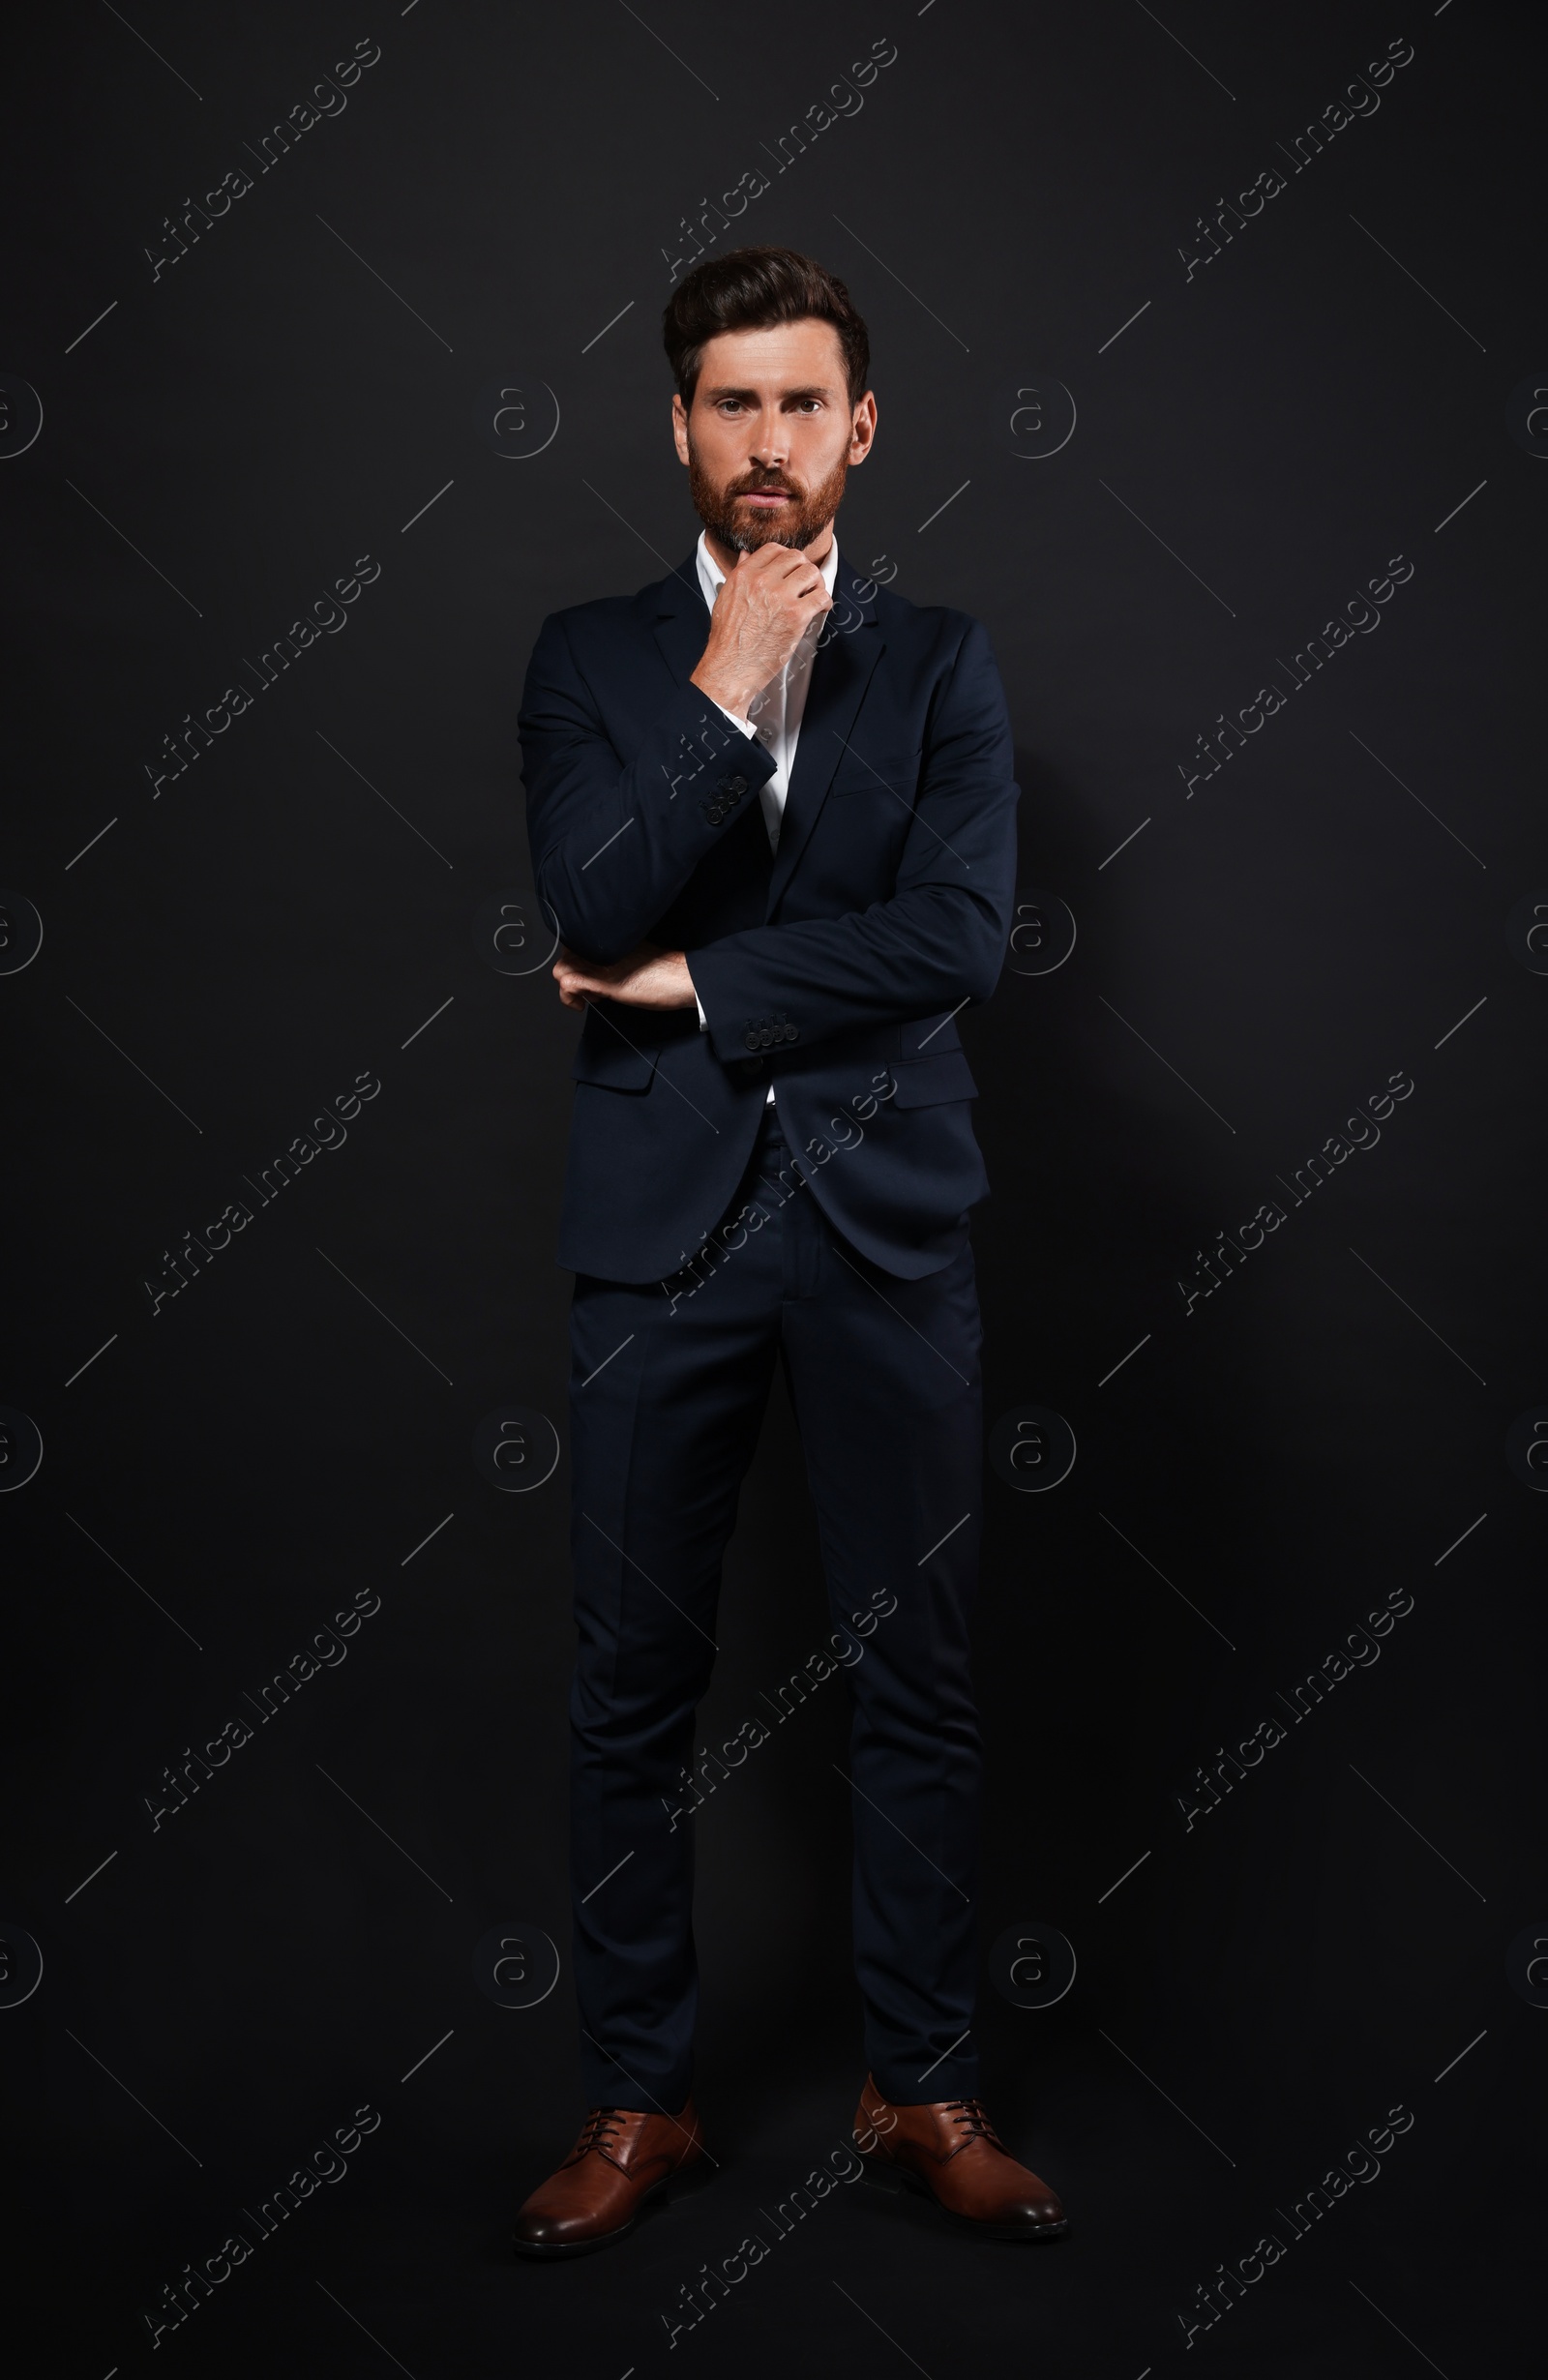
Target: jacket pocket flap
{"type": "Point", "coordinates": [605, 1058]}
{"type": "Point", "coordinates": [924, 1081]}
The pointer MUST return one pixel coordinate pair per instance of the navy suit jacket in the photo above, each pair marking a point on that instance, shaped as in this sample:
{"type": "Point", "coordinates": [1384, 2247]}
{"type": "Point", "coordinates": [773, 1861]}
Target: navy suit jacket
{"type": "Point", "coordinates": [834, 968]}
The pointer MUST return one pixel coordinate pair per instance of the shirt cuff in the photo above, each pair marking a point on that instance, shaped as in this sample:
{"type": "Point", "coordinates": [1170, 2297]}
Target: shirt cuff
{"type": "Point", "coordinates": [704, 1021]}
{"type": "Point", "coordinates": [743, 726]}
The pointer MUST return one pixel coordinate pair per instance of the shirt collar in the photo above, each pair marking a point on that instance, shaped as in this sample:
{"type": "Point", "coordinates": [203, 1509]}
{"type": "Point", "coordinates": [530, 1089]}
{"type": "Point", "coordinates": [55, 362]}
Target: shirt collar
{"type": "Point", "coordinates": [711, 576]}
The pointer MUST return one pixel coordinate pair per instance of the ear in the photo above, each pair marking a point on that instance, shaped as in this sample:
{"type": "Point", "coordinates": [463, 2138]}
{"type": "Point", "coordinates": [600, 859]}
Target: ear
{"type": "Point", "coordinates": [679, 428]}
{"type": "Point", "coordinates": [863, 428]}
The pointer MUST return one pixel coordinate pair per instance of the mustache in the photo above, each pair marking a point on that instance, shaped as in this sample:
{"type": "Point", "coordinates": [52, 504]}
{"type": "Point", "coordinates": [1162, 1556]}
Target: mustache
{"type": "Point", "coordinates": [765, 483]}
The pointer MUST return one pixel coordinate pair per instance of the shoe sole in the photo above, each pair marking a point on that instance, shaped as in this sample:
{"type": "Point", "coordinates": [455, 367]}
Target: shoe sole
{"type": "Point", "coordinates": [900, 2177]}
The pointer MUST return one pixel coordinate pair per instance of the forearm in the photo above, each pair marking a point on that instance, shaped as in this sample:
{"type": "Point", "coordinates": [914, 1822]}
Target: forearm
{"type": "Point", "coordinates": [924, 951]}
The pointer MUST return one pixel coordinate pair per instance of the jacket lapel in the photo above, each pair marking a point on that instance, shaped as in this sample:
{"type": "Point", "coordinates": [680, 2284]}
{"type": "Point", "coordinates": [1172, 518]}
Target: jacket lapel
{"type": "Point", "coordinates": [682, 621]}
{"type": "Point", "coordinates": [849, 650]}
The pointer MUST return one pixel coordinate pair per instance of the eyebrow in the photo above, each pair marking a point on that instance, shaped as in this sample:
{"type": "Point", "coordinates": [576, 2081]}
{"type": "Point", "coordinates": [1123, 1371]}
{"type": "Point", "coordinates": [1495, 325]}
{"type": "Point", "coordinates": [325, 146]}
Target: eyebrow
{"type": "Point", "coordinates": [749, 396]}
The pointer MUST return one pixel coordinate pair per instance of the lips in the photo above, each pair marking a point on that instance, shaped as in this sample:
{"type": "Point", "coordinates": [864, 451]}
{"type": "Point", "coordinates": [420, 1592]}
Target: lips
{"type": "Point", "coordinates": [765, 497]}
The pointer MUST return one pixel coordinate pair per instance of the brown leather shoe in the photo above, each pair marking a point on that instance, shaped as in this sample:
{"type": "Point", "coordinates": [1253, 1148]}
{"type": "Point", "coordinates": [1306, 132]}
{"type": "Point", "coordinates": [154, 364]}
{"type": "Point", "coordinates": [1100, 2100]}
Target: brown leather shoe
{"type": "Point", "coordinates": [622, 2157]}
{"type": "Point", "coordinates": [951, 2152]}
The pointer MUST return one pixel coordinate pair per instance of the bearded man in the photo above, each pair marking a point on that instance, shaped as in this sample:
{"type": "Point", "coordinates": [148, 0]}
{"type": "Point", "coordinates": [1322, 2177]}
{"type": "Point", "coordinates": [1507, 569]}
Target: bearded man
{"type": "Point", "coordinates": [771, 807]}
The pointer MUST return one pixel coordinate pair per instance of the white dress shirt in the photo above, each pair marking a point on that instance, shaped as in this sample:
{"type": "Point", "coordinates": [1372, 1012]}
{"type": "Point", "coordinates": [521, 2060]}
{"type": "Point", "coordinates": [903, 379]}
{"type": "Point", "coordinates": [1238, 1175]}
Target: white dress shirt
{"type": "Point", "coordinates": [774, 716]}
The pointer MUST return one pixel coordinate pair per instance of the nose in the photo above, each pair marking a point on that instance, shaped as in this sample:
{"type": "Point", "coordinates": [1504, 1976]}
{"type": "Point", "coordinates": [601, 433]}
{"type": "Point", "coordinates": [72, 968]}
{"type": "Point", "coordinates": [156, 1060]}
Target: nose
{"type": "Point", "coordinates": [771, 444]}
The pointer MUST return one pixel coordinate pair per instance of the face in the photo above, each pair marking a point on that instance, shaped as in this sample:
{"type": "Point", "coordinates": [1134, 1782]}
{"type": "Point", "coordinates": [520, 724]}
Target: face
{"type": "Point", "coordinates": [771, 435]}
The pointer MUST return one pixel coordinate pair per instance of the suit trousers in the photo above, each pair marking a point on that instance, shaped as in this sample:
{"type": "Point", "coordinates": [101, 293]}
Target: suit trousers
{"type": "Point", "coordinates": [668, 1383]}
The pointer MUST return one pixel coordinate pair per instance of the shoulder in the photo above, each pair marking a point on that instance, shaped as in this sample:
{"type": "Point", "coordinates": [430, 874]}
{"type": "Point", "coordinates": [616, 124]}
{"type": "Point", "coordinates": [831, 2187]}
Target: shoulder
{"type": "Point", "coordinates": [610, 633]}
{"type": "Point", "coordinates": [937, 637]}
{"type": "Point", "coordinates": [613, 615]}
{"type": "Point", "coordinates": [935, 628]}
{"type": "Point", "coordinates": [586, 642]}
{"type": "Point", "coordinates": [584, 628]}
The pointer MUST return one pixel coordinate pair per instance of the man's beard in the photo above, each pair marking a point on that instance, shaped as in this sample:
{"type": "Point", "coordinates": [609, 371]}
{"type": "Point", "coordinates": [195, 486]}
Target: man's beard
{"type": "Point", "coordinates": [796, 523]}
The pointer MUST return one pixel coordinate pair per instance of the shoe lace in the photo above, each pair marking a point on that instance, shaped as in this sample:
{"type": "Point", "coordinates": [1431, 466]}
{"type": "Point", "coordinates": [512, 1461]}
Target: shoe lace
{"type": "Point", "coordinates": [971, 2121]}
{"type": "Point", "coordinates": [600, 2125]}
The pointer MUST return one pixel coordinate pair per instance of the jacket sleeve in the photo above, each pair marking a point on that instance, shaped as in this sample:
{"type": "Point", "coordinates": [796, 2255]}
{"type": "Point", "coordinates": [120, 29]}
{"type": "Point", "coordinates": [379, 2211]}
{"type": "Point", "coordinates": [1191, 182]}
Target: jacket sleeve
{"type": "Point", "coordinates": [613, 842]}
{"type": "Point", "coordinates": [939, 941]}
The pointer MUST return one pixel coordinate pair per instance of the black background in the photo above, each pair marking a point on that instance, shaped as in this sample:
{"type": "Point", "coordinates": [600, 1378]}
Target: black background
{"type": "Point", "coordinates": [1249, 451]}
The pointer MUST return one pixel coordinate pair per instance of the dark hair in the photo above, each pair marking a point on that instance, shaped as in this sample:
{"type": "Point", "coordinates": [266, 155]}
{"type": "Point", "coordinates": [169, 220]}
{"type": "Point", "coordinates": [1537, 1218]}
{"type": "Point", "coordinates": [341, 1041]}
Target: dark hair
{"type": "Point", "coordinates": [749, 290]}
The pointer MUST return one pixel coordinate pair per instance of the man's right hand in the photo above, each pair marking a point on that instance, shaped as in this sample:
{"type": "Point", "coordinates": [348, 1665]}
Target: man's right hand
{"type": "Point", "coordinates": [761, 612]}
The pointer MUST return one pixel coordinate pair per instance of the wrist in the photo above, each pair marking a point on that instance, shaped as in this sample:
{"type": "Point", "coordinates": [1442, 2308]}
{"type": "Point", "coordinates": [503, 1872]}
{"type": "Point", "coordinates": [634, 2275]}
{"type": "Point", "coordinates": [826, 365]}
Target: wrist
{"type": "Point", "coordinates": [681, 994]}
{"type": "Point", "coordinates": [728, 693]}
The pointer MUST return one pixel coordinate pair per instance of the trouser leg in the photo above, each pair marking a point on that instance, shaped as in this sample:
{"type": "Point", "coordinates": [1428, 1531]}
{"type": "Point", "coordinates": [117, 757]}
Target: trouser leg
{"type": "Point", "coordinates": [668, 1388]}
{"type": "Point", "coordinates": [884, 1378]}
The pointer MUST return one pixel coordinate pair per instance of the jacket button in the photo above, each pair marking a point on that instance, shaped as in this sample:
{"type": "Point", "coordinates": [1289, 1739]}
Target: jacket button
{"type": "Point", "coordinates": [735, 786]}
{"type": "Point", "coordinates": [766, 1037]}
{"type": "Point", "coordinates": [750, 1041]}
{"type": "Point", "coordinates": [789, 1032]}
